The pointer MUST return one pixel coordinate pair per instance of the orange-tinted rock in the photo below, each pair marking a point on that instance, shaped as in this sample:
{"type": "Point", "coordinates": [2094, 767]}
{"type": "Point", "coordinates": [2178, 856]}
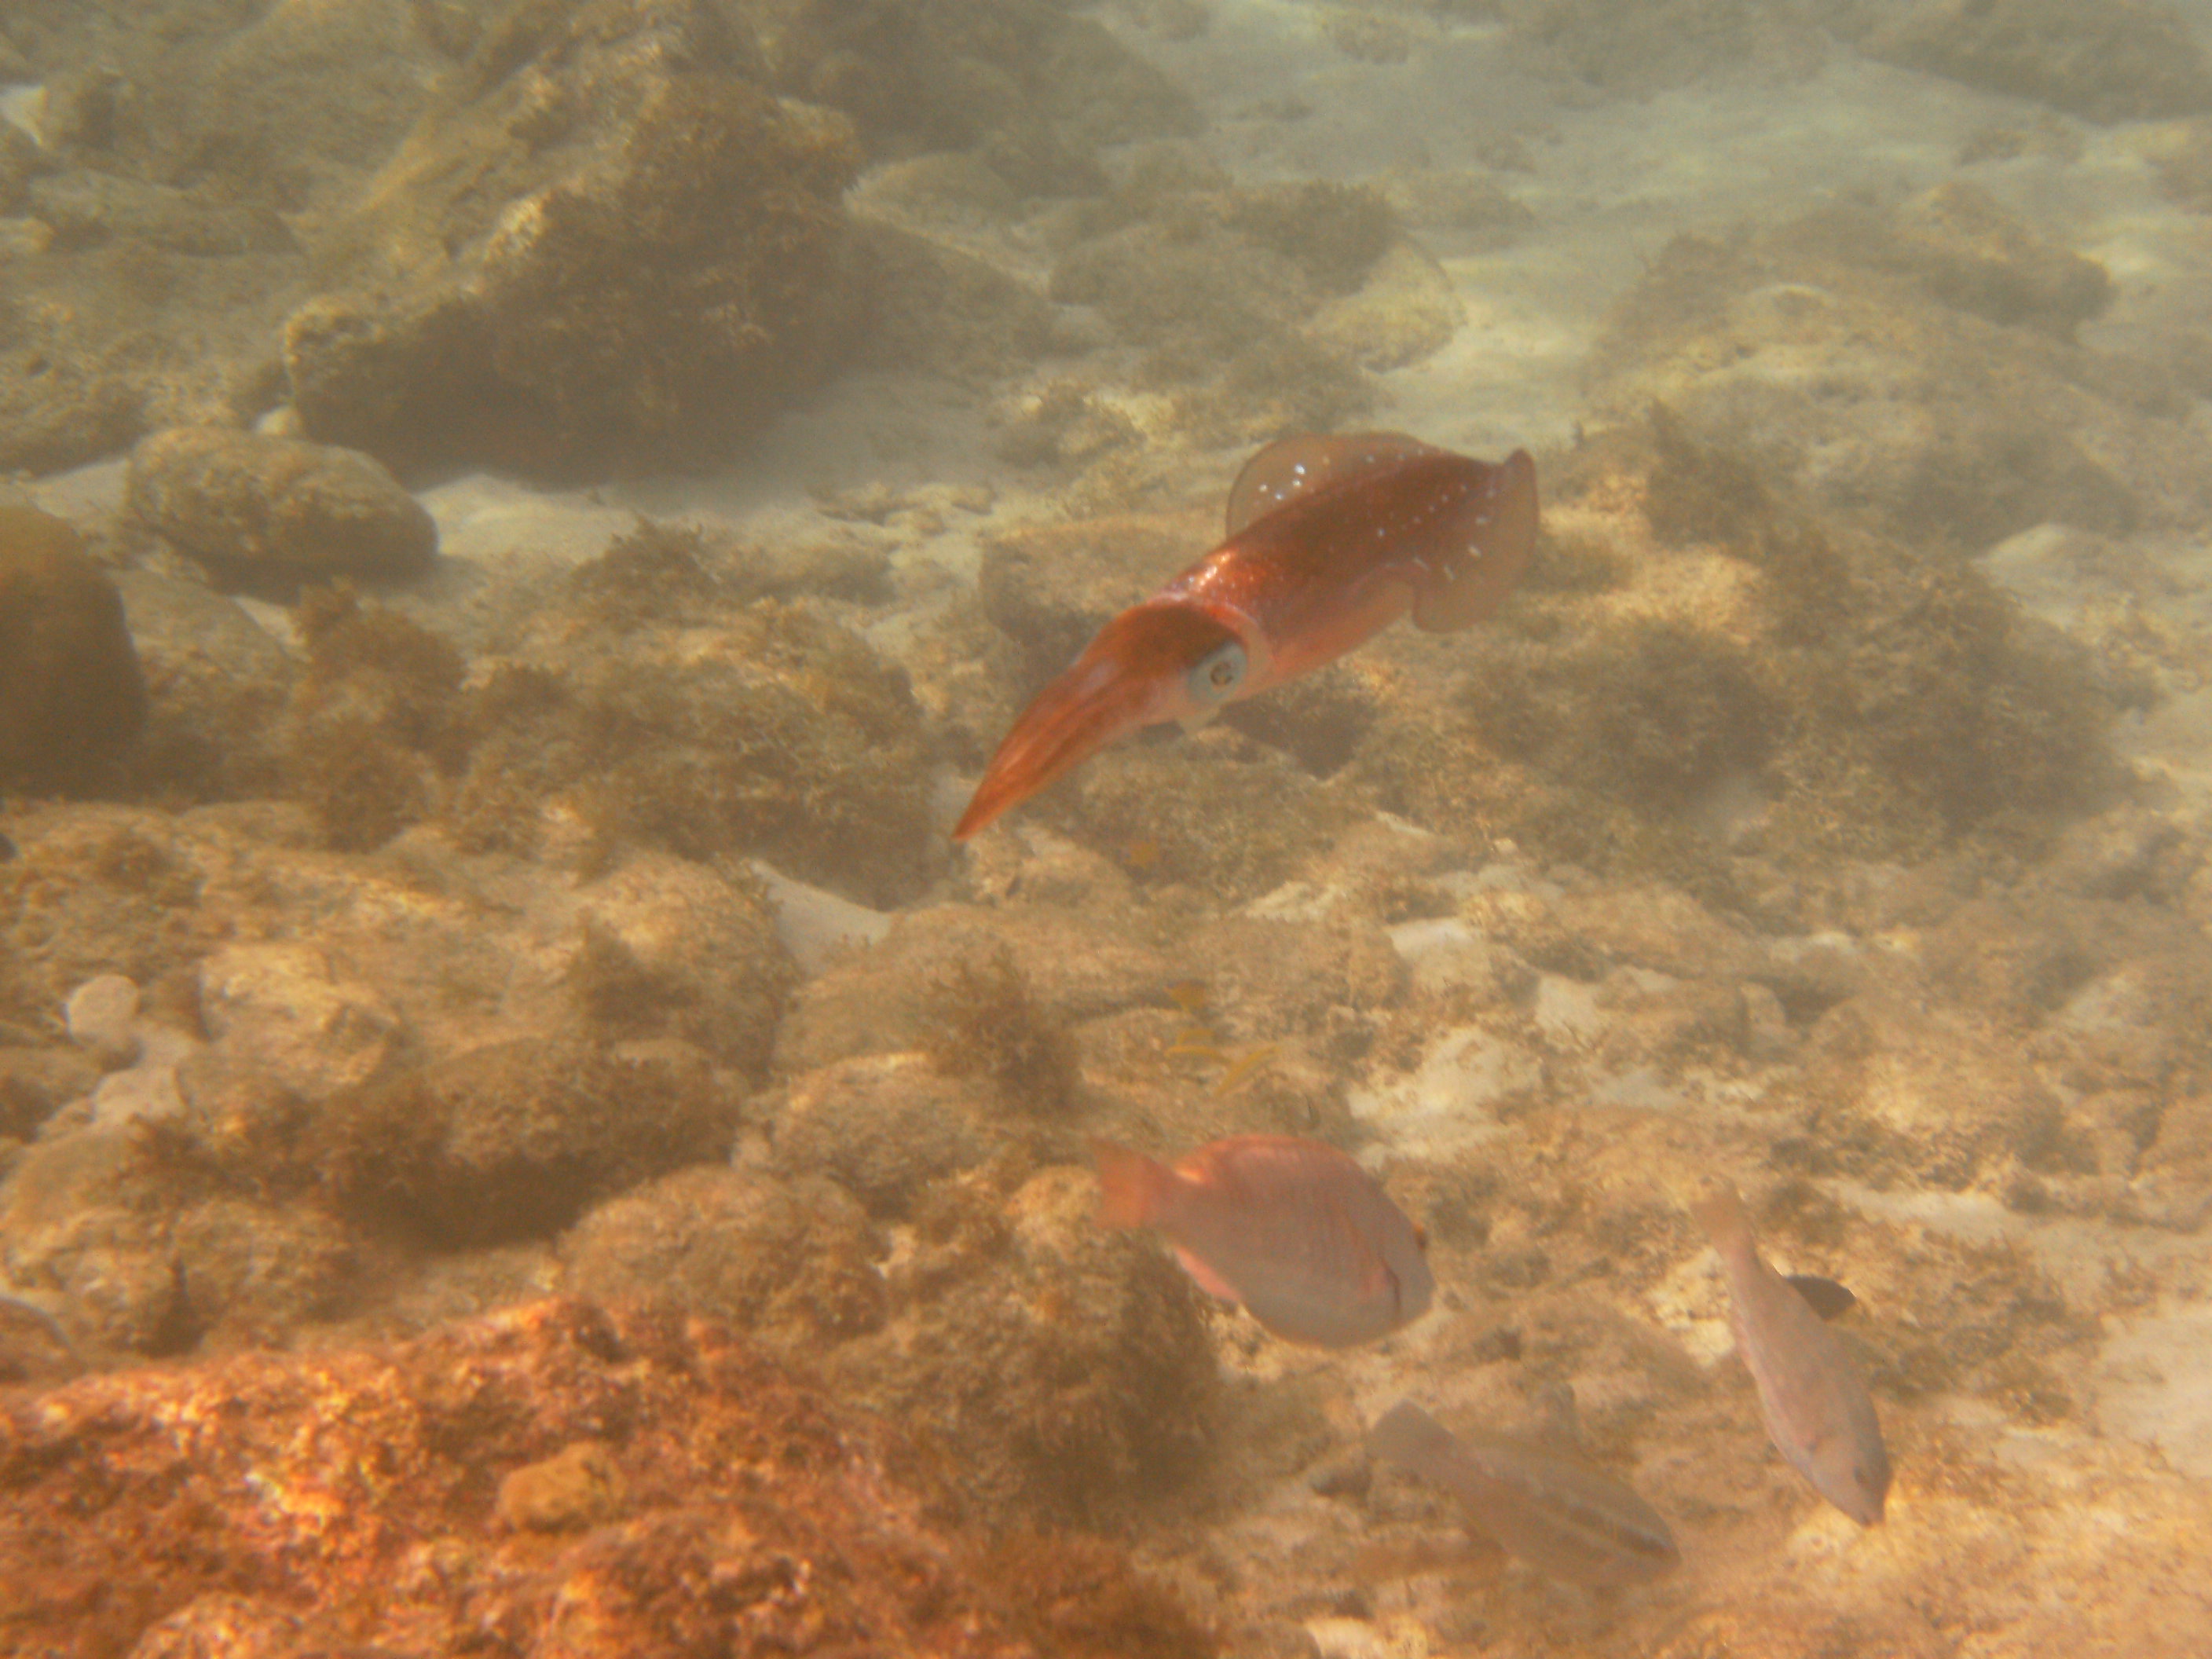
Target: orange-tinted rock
{"type": "Point", "coordinates": [348, 1501]}
{"type": "Point", "coordinates": [579, 1487]}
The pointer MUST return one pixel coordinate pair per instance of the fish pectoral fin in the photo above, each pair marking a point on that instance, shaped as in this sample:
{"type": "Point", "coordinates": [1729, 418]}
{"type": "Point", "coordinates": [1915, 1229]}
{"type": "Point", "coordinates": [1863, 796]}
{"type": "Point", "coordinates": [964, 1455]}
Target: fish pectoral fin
{"type": "Point", "coordinates": [1825, 1297]}
{"type": "Point", "coordinates": [1489, 549]}
{"type": "Point", "coordinates": [1208, 1281]}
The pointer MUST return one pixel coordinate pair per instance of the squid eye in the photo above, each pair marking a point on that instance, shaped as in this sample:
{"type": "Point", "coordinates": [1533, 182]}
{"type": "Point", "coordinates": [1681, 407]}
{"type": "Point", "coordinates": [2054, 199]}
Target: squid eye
{"type": "Point", "coordinates": [1216, 674]}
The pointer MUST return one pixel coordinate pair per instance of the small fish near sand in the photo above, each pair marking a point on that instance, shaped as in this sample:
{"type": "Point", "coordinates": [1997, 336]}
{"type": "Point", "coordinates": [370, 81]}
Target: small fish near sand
{"type": "Point", "coordinates": [1306, 1241]}
{"type": "Point", "coordinates": [1330, 540]}
{"type": "Point", "coordinates": [1818, 1413]}
{"type": "Point", "coordinates": [1567, 1522]}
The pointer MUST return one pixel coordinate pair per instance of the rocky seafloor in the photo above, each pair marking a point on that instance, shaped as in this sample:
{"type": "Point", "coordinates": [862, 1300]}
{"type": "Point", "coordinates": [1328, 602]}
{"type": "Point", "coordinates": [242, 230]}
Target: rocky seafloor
{"type": "Point", "coordinates": [519, 1132]}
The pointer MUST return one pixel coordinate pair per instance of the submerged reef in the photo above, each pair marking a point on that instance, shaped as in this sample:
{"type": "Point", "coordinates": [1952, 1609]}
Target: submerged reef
{"type": "Point", "coordinates": [560, 905]}
{"type": "Point", "coordinates": [575, 1481]}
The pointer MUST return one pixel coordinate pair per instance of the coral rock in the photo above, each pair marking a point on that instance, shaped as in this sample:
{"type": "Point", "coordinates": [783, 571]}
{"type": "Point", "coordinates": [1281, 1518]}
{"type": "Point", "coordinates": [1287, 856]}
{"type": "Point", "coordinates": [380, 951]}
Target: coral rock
{"type": "Point", "coordinates": [277, 512]}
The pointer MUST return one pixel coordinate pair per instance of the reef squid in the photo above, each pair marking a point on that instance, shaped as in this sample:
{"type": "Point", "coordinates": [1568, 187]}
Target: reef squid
{"type": "Point", "coordinates": [1329, 540]}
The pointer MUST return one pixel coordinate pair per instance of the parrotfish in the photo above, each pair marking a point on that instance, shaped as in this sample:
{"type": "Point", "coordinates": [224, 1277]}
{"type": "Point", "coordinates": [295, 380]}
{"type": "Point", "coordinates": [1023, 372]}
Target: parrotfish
{"type": "Point", "coordinates": [1817, 1410]}
{"type": "Point", "coordinates": [1330, 539]}
{"type": "Point", "coordinates": [1296, 1232]}
{"type": "Point", "coordinates": [1563, 1519]}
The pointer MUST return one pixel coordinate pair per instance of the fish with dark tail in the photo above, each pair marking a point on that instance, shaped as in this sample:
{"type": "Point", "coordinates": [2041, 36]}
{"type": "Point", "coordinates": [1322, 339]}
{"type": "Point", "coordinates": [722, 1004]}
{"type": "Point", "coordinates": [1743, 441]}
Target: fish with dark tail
{"type": "Point", "coordinates": [1818, 1413]}
{"type": "Point", "coordinates": [1330, 539]}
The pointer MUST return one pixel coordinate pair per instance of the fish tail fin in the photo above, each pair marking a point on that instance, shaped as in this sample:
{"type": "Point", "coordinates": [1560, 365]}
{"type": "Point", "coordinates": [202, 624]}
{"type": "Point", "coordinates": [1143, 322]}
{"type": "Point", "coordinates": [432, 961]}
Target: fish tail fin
{"type": "Point", "coordinates": [1720, 1212]}
{"type": "Point", "coordinates": [1131, 1186]}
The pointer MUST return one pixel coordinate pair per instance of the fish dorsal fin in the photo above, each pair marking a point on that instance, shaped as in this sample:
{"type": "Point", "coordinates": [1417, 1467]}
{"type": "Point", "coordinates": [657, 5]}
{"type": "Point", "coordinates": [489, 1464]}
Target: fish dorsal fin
{"type": "Point", "coordinates": [1291, 467]}
{"type": "Point", "coordinates": [1827, 1298]}
{"type": "Point", "coordinates": [1492, 535]}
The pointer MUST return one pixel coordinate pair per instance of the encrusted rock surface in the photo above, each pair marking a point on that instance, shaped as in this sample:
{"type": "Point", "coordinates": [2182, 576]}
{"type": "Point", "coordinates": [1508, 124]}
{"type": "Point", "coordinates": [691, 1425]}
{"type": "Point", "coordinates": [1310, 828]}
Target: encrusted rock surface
{"type": "Point", "coordinates": [270, 1504]}
{"type": "Point", "coordinates": [277, 512]}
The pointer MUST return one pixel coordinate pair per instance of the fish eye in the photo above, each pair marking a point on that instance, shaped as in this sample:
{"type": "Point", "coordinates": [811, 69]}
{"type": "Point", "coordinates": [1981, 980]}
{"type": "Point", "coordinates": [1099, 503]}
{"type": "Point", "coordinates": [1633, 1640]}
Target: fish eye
{"type": "Point", "coordinates": [1216, 674]}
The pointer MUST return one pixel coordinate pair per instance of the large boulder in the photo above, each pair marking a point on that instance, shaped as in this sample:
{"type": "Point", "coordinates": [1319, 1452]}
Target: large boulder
{"type": "Point", "coordinates": [275, 512]}
{"type": "Point", "coordinates": [605, 241]}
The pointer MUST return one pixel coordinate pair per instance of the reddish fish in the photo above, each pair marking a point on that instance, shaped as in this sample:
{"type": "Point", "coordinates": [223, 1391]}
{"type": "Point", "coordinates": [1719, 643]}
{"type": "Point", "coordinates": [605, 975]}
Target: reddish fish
{"type": "Point", "coordinates": [1299, 1233]}
{"type": "Point", "coordinates": [1817, 1410]}
{"type": "Point", "coordinates": [1329, 540]}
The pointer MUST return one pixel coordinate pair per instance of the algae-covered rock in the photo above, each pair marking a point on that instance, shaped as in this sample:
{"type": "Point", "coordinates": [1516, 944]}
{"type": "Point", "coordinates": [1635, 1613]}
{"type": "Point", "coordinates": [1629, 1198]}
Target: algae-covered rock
{"type": "Point", "coordinates": [952, 969]}
{"type": "Point", "coordinates": [666, 949]}
{"type": "Point", "coordinates": [1758, 674]}
{"type": "Point", "coordinates": [514, 1139]}
{"type": "Point", "coordinates": [884, 1127]}
{"type": "Point", "coordinates": [94, 891]}
{"type": "Point", "coordinates": [1601, 47]}
{"type": "Point", "coordinates": [410, 959]}
{"type": "Point", "coordinates": [144, 1250]}
{"type": "Point", "coordinates": [652, 704]}
{"type": "Point", "coordinates": [1217, 810]}
{"type": "Point", "coordinates": [1064, 1371]}
{"type": "Point", "coordinates": [1259, 305]}
{"type": "Point", "coordinates": [19, 161]}
{"type": "Point", "coordinates": [1910, 364]}
{"type": "Point", "coordinates": [277, 512]}
{"type": "Point", "coordinates": [251, 1271]}
{"type": "Point", "coordinates": [792, 1263]}
{"type": "Point", "coordinates": [1895, 1094]}
{"type": "Point", "coordinates": [37, 1081]}
{"type": "Point", "coordinates": [1051, 586]}
{"type": "Point", "coordinates": [280, 1010]}
{"type": "Point", "coordinates": [71, 698]}
{"type": "Point", "coordinates": [375, 721]}
{"type": "Point", "coordinates": [604, 242]}
{"type": "Point", "coordinates": [579, 1487]}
